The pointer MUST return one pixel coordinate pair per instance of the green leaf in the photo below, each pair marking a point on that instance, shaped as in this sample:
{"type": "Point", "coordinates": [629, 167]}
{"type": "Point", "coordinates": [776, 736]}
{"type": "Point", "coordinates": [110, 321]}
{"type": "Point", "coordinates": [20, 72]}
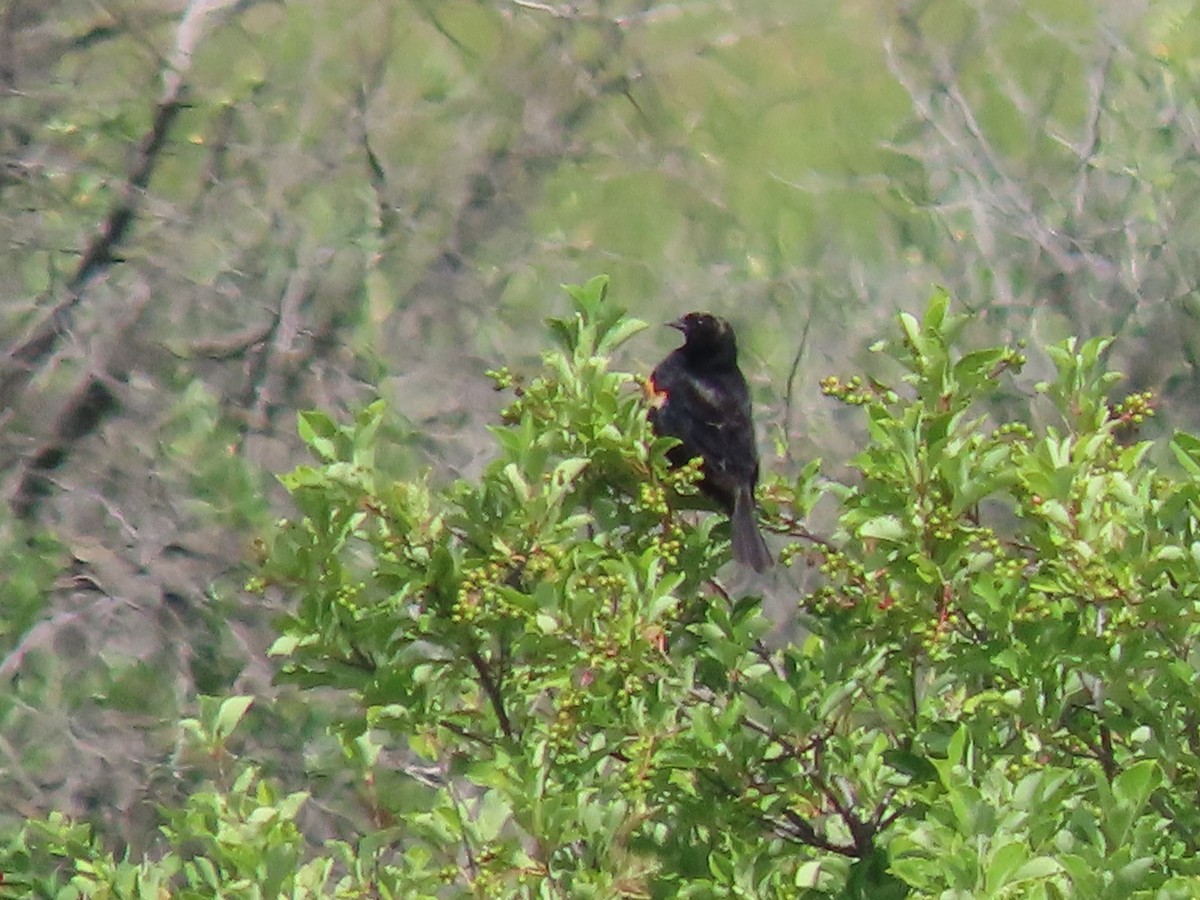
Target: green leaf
{"type": "Point", "coordinates": [1005, 861]}
{"type": "Point", "coordinates": [704, 728]}
{"type": "Point", "coordinates": [935, 312]}
{"type": "Point", "coordinates": [1136, 783]}
{"type": "Point", "coordinates": [915, 766]}
{"type": "Point", "coordinates": [912, 331]}
{"type": "Point", "coordinates": [1186, 448]}
{"type": "Point", "coordinates": [318, 431]}
{"type": "Point", "coordinates": [493, 812]}
{"type": "Point", "coordinates": [883, 528]}
{"type": "Point", "coordinates": [568, 470]}
{"type": "Point", "coordinates": [229, 714]}
{"type": "Point", "coordinates": [1038, 868]}
{"type": "Point", "coordinates": [519, 485]}
{"type": "Point", "coordinates": [621, 332]}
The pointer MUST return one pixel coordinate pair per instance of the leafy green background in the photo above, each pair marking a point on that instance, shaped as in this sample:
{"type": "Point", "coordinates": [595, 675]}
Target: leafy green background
{"type": "Point", "coordinates": [380, 201]}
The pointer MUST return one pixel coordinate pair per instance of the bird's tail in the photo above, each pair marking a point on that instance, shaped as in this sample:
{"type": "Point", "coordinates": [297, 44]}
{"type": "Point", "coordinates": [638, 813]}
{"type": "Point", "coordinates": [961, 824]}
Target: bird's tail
{"type": "Point", "coordinates": [749, 548]}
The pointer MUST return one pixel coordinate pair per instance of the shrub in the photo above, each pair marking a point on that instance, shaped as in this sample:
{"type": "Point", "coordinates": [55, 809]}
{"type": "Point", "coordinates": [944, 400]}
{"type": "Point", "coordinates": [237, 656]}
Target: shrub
{"type": "Point", "coordinates": [550, 691]}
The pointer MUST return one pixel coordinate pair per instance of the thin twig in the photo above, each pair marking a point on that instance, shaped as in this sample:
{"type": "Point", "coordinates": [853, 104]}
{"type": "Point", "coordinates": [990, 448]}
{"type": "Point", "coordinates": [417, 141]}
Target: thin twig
{"type": "Point", "coordinates": [492, 690]}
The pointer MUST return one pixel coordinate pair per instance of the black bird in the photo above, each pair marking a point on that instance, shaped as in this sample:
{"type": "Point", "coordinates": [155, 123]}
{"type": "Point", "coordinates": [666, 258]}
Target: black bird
{"type": "Point", "coordinates": [701, 397]}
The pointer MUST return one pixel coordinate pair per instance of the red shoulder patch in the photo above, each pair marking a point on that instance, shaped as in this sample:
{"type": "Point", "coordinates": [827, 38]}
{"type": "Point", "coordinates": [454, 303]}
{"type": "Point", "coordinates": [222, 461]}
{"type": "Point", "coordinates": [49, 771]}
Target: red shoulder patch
{"type": "Point", "coordinates": [656, 397]}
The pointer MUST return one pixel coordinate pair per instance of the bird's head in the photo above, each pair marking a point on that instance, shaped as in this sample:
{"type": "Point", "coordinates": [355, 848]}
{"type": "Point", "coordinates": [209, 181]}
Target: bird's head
{"type": "Point", "coordinates": [707, 336]}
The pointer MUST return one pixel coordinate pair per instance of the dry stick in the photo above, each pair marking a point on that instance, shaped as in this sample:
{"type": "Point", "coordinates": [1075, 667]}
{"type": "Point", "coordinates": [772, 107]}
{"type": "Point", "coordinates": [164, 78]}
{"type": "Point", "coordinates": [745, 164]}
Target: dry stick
{"type": "Point", "coordinates": [789, 395]}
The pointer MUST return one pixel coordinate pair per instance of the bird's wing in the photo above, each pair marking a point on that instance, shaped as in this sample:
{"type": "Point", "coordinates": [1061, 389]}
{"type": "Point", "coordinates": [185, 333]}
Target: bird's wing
{"type": "Point", "coordinates": [713, 417]}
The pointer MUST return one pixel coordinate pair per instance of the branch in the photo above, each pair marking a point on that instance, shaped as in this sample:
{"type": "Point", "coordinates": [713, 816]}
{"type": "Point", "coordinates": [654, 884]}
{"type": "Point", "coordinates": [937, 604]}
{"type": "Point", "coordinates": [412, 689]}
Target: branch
{"type": "Point", "coordinates": [800, 828]}
{"type": "Point", "coordinates": [790, 391]}
{"type": "Point", "coordinates": [22, 358]}
{"type": "Point", "coordinates": [277, 354]}
{"type": "Point", "coordinates": [93, 400]}
{"type": "Point", "coordinates": [492, 690]}
{"type": "Point", "coordinates": [862, 832]}
{"type": "Point", "coordinates": [226, 348]}
{"type": "Point", "coordinates": [44, 634]}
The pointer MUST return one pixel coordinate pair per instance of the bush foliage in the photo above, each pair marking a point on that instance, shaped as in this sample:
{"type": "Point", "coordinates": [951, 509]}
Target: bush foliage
{"type": "Point", "coordinates": [550, 692]}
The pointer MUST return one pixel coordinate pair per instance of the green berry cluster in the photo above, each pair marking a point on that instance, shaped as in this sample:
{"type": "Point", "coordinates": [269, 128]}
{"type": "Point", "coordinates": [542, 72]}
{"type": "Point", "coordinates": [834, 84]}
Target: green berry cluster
{"type": "Point", "coordinates": [836, 564]}
{"type": "Point", "coordinates": [985, 538]}
{"type": "Point", "coordinates": [595, 601]}
{"type": "Point", "coordinates": [1012, 358]}
{"type": "Point", "coordinates": [602, 584]}
{"type": "Point", "coordinates": [670, 546]}
{"type": "Point", "coordinates": [543, 563]}
{"type": "Point", "coordinates": [566, 719]}
{"type": "Point", "coordinates": [1008, 567]}
{"type": "Point", "coordinates": [789, 553]}
{"type": "Point", "coordinates": [940, 524]}
{"type": "Point", "coordinates": [1018, 430]}
{"type": "Point", "coordinates": [848, 583]}
{"type": "Point", "coordinates": [651, 498]}
{"type": "Point", "coordinates": [851, 391]}
{"type": "Point", "coordinates": [614, 663]}
{"type": "Point", "coordinates": [635, 777]}
{"type": "Point", "coordinates": [1134, 409]}
{"type": "Point", "coordinates": [537, 399]}
{"type": "Point", "coordinates": [683, 480]}
{"type": "Point", "coordinates": [502, 378]}
{"type": "Point", "coordinates": [490, 872]}
{"type": "Point", "coordinates": [478, 595]}
{"type": "Point", "coordinates": [347, 596]}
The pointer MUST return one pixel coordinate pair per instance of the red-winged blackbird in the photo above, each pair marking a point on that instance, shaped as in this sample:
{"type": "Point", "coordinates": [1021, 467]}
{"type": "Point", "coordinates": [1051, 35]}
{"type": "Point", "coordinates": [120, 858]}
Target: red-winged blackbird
{"type": "Point", "coordinates": [701, 397]}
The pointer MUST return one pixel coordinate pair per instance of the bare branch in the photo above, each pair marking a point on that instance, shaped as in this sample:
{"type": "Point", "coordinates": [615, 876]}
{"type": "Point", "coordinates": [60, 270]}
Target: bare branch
{"type": "Point", "coordinates": [559, 12]}
{"type": "Point", "coordinates": [93, 400]}
{"type": "Point", "coordinates": [230, 347]}
{"type": "Point", "coordinates": [790, 392]}
{"type": "Point", "coordinates": [277, 360]}
{"type": "Point", "coordinates": [22, 358]}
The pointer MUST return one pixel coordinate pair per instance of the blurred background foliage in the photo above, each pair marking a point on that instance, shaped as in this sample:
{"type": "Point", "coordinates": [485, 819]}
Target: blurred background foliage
{"type": "Point", "coordinates": [216, 214]}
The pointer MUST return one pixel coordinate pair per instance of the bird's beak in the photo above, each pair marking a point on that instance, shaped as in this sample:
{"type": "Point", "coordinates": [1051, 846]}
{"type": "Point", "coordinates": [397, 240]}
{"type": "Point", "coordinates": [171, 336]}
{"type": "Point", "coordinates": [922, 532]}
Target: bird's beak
{"type": "Point", "coordinates": [677, 325]}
